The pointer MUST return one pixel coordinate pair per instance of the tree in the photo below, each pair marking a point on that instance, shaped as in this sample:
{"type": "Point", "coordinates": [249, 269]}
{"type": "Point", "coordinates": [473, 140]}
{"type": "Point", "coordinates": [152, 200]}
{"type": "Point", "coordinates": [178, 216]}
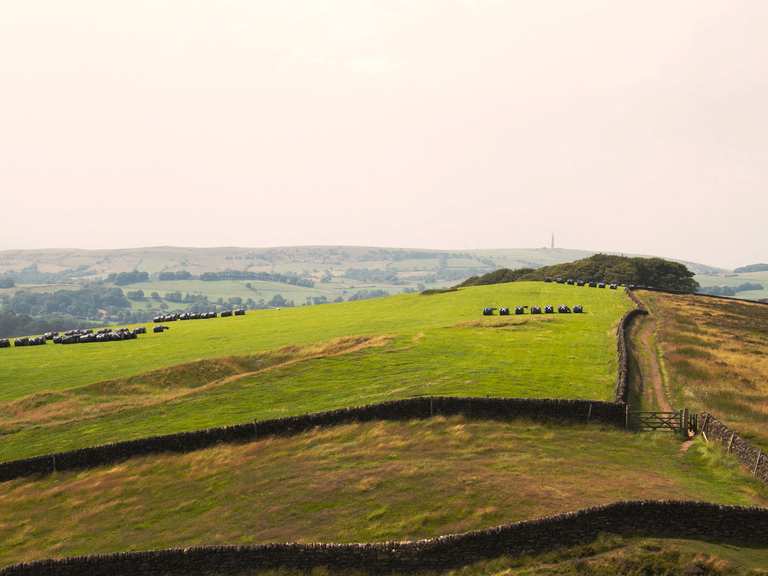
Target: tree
{"type": "Point", "coordinates": [173, 297]}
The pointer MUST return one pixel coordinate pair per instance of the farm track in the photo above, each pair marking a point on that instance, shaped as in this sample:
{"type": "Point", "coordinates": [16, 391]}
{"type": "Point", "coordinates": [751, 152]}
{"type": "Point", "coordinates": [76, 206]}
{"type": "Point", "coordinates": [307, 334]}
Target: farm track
{"type": "Point", "coordinates": [647, 379]}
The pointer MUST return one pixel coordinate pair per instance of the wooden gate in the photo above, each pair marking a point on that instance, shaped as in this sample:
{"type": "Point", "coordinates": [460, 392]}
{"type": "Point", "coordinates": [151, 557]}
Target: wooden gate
{"type": "Point", "coordinates": [680, 421]}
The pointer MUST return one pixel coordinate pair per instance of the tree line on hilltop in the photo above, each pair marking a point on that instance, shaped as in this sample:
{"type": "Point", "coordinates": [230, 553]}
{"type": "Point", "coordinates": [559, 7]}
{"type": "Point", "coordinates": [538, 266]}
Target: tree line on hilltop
{"type": "Point", "coordinates": [652, 272]}
{"type": "Point", "coordinates": [137, 276]}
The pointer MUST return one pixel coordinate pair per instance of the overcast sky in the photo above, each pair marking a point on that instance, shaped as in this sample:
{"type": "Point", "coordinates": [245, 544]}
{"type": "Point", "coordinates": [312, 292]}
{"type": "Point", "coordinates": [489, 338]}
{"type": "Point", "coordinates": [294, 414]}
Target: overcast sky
{"type": "Point", "coordinates": [619, 126]}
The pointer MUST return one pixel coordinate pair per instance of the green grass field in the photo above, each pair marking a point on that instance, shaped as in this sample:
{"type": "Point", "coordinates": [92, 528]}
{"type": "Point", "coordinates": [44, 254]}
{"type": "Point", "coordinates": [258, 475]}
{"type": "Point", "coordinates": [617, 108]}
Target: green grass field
{"type": "Point", "coordinates": [260, 290]}
{"type": "Point", "coordinates": [357, 482]}
{"type": "Point", "coordinates": [233, 370]}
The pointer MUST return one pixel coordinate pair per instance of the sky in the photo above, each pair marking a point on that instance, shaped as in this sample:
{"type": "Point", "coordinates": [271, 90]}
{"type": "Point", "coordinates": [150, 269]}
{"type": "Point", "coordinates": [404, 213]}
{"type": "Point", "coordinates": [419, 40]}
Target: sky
{"type": "Point", "coordinates": [638, 127]}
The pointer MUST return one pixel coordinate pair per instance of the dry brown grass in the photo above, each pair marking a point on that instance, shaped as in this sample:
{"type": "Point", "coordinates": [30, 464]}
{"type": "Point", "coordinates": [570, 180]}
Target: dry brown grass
{"type": "Point", "coordinates": [714, 354]}
{"type": "Point", "coordinates": [164, 385]}
{"type": "Point", "coordinates": [358, 482]}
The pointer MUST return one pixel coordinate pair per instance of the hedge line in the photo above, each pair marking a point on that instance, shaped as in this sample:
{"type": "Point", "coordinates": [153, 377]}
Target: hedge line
{"type": "Point", "coordinates": [677, 519]}
{"type": "Point", "coordinates": [419, 407]}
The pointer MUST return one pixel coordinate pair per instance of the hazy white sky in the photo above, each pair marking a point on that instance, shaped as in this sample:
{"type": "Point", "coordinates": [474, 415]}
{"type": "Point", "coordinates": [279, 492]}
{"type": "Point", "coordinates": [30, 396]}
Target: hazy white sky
{"type": "Point", "coordinates": [624, 126]}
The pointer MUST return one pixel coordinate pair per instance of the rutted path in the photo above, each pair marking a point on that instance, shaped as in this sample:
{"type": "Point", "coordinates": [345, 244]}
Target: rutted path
{"type": "Point", "coordinates": [646, 379]}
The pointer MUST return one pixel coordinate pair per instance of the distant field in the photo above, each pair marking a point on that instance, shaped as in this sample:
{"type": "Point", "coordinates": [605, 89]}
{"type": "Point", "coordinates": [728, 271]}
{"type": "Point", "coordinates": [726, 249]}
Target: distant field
{"type": "Point", "coordinates": [358, 482]}
{"type": "Point", "coordinates": [292, 361]}
{"type": "Point", "coordinates": [714, 356]}
{"type": "Point", "coordinates": [259, 290]}
{"type": "Point", "coordinates": [736, 280]}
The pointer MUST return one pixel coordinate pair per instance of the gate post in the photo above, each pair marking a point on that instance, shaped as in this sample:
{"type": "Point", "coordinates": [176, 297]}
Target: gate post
{"type": "Point", "coordinates": [626, 416]}
{"type": "Point", "coordinates": [684, 423]}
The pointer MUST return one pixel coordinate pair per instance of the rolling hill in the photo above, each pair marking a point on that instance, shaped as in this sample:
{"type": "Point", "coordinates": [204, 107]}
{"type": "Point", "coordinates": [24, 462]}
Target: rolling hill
{"type": "Point", "coordinates": [274, 363]}
{"type": "Point", "coordinates": [355, 483]}
{"type": "Point", "coordinates": [365, 481]}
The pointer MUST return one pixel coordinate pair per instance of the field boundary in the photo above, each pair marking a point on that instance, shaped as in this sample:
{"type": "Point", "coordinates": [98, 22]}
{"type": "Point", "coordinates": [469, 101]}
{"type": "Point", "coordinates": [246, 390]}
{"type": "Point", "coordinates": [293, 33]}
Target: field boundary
{"type": "Point", "coordinates": [699, 294]}
{"type": "Point", "coordinates": [410, 408]}
{"type": "Point", "coordinates": [750, 457]}
{"type": "Point", "coordinates": [648, 518]}
{"type": "Point", "coordinates": [622, 346]}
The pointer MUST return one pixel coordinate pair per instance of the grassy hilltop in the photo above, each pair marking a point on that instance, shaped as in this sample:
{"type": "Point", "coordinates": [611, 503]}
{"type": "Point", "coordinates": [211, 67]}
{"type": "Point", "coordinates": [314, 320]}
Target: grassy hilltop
{"type": "Point", "coordinates": [292, 361]}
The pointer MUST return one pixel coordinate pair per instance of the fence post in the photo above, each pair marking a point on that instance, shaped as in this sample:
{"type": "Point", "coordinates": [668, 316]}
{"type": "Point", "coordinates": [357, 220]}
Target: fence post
{"type": "Point", "coordinates": [626, 416]}
{"type": "Point", "coordinates": [589, 413]}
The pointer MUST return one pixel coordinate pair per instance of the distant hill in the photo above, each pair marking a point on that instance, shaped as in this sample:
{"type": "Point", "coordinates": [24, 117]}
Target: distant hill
{"type": "Point", "coordinates": [358, 263]}
{"type": "Point", "coordinates": [655, 272]}
{"type": "Point", "coordinates": [752, 268]}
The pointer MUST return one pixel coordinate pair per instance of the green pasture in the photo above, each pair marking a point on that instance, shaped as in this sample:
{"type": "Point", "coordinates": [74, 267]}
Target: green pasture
{"type": "Point", "coordinates": [420, 345]}
{"type": "Point", "coordinates": [358, 482]}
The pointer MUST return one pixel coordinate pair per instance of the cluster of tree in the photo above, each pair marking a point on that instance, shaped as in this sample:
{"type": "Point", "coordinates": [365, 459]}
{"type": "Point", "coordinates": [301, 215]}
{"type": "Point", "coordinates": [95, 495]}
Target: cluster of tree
{"type": "Point", "coordinates": [179, 275]}
{"type": "Point", "coordinates": [373, 276]}
{"type": "Point", "coordinates": [12, 324]}
{"type": "Point", "coordinates": [187, 298]}
{"type": "Point", "coordinates": [652, 272]}
{"type": "Point", "coordinates": [137, 295]}
{"type": "Point", "coordinates": [731, 290]}
{"type": "Point", "coordinates": [31, 275]}
{"type": "Point", "coordinates": [125, 278]}
{"type": "Point", "coordinates": [293, 279]}
{"type": "Point", "coordinates": [90, 302]}
{"type": "Point", "coordinates": [7, 282]}
{"type": "Point", "coordinates": [366, 294]}
{"type": "Point", "coordinates": [499, 276]}
{"type": "Point", "coordinates": [752, 268]}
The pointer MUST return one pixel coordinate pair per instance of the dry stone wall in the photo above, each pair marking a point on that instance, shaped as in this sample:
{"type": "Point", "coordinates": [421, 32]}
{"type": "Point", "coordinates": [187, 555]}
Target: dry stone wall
{"type": "Point", "coordinates": [749, 455]}
{"type": "Point", "coordinates": [421, 407]}
{"type": "Point", "coordinates": [698, 520]}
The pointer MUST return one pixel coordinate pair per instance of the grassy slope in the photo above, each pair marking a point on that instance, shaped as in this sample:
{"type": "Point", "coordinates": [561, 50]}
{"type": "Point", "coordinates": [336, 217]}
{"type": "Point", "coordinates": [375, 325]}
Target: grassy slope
{"type": "Point", "coordinates": [713, 353]}
{"type": "Point", "coordinates": [359, 482]}
{"type": "Point", "coordinates": [433, 345]}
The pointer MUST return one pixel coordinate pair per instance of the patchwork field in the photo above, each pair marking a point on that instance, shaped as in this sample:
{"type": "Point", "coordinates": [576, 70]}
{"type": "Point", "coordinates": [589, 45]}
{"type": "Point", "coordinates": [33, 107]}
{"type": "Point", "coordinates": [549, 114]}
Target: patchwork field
{"type": "Point", "coordinates": [292, 361]}
{"type": "Point", "coordinates": [357, 482]}
{"type": "Point", "coordinates": [713, 354]}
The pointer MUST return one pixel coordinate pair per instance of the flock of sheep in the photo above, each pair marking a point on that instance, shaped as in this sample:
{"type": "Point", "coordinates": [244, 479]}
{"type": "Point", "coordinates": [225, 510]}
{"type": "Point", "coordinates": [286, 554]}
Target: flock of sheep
{"type": "Point", "coordinates": [562, 309]}
{"type": "Point", "coordinates": [87, 335]}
